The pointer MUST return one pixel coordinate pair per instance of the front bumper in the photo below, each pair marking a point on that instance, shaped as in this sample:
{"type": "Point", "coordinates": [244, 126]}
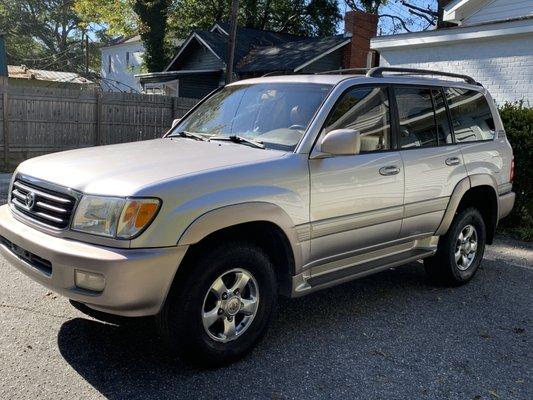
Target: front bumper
{"type": "Point", "coordinates": [136, 280]}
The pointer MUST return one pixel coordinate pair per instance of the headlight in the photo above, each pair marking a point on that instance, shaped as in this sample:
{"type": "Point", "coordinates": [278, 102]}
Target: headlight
{"type": "Point", "coordinates": [114, 216]}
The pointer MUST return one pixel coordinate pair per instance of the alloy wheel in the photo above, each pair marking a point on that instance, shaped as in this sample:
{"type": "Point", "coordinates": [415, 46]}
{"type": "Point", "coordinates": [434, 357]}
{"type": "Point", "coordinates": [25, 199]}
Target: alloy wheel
{"type": "Point", "coordinates": [466, 247]}
{"type": "Point", "coordinates": [230, 305]}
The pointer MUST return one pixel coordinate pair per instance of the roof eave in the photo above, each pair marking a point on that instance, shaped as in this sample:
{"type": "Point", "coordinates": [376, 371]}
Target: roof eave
{"type": "Point", "coordinates": [331, 50]}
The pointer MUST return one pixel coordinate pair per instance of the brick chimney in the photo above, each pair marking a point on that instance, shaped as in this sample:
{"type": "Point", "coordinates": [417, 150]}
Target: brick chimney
{"type": "Point", "coordinates": [362, 26]}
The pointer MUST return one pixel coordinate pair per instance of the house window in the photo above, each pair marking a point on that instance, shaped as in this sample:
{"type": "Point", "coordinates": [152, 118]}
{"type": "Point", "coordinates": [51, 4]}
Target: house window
{"type": "Point", "coordinates": [127, 59]}
{"type": "Point", "coordinates": [109, 66]}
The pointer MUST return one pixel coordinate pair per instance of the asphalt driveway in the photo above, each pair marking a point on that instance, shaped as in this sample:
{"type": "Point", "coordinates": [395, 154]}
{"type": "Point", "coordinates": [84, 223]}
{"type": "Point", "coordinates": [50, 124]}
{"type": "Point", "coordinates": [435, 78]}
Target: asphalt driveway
{"type": "Point", "coordinates": [391, 335]}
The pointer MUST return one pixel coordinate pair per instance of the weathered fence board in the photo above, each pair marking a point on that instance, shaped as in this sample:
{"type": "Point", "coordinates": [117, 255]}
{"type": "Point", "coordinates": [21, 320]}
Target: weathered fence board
{"type": "Point", "coordinates": [36, 121]}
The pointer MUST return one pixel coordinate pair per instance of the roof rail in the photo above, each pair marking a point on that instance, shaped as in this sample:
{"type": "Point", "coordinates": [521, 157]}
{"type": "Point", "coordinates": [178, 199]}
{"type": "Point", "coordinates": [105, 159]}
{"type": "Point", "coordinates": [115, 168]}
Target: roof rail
{"type": "Point", "coordinates": [345, 70]}
{"type": "Point", "coordinates": [377, 72]}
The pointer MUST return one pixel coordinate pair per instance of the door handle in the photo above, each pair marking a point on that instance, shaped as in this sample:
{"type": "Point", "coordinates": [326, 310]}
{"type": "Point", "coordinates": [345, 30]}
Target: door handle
{"type": "Point", "coordinates": [453, 161]}
{"type": "Point", "coordinates": [390, 170]}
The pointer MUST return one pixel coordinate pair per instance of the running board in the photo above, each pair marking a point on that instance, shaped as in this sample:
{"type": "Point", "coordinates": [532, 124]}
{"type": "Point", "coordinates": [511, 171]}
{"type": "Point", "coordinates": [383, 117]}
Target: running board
{"type": "Point", "coordinates": [370, 267]}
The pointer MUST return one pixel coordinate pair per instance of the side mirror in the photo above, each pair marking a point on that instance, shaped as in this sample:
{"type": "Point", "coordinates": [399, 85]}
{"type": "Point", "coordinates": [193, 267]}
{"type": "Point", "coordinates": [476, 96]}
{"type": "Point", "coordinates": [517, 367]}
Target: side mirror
{"type": "Point", "coordinates": [341, 142]}
{"type": "Point", "coordinates": [175, 122]}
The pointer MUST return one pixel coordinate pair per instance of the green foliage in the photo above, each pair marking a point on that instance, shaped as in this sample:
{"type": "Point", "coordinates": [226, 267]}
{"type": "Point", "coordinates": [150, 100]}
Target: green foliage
{"type": "Point", "coordinates": [118, 15]}
{"type": "Point", "coordinates": [518, 122]}
{"type": "Point", "coordinates": [152, 28]}
{"type": "Point", "coordinates": [44, 34]}
{"type": "Point", "coordinates": [299, 17]}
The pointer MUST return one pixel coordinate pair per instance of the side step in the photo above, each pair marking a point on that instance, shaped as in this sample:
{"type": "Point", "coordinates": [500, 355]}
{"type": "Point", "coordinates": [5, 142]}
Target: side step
{"type": "Point", "coordinates": [360, 270]}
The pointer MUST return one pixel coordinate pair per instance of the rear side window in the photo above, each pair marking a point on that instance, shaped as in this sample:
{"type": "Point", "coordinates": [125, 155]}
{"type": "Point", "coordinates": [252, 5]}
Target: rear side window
{"type": "Point", "coordinates": [416, 117]}
{"type": "Point", "coordinates": [471, 116]}
{"type": "Point", "coordinates": [365, 109]}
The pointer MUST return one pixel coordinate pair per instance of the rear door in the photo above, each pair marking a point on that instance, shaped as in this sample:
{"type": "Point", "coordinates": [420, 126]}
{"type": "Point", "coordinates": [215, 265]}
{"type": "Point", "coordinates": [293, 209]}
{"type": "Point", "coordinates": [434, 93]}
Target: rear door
{"type": "Point", "coordinates": [433, 164]}
{"type": "Point", "coordinates": [474, 129]}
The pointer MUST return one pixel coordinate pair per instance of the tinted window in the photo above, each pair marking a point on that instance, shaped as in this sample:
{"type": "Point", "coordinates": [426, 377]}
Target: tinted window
{"type": "Point", "coordinates": [443, 124]}
{"type": "Point", "coordinates": [471, 116]}
{"type": "Point", "coordinates": [417, 120]}
{"type": "Point", "coordinates": [365, 109]}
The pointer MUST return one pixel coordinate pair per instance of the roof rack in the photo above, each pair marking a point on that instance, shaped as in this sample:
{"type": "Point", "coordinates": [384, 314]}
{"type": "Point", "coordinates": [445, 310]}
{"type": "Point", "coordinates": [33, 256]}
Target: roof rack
{"type": "Point", "coordinates": [377, 72]}
{"type": "Point", "coordinates": [345, 70]}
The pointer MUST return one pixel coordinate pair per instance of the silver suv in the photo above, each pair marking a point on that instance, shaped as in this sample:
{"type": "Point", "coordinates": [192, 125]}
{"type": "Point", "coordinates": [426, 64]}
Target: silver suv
{"type": "Point", "coordinates": [280, 184]}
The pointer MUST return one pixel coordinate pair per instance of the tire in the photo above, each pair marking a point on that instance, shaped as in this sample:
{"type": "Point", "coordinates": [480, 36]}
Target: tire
{"type": "Point", "coordinates": [443, 268]}
{"type": "Point", "coordinates": [198, 292]}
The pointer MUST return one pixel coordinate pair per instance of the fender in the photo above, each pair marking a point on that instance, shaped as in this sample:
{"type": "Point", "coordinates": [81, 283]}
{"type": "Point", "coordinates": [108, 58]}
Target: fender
{"type": "Point", "coordinates": [236, 214]}
{"type": "Point", "coordinates": [457, 195]}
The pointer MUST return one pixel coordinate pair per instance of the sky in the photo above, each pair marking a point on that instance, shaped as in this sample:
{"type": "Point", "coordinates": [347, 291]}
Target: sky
{"type": "Point", "coordinates": [395, 7]}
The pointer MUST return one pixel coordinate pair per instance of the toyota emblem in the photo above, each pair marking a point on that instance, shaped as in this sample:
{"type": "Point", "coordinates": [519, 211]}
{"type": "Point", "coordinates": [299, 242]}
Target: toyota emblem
{"type": "Point", "coordinates": [30, 200]}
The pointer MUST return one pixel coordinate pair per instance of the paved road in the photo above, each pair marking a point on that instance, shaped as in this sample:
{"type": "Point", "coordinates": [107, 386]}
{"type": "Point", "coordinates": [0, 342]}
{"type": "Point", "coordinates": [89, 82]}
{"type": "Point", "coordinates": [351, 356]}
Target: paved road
{"type": "Point", "coordinates": [391, 335]}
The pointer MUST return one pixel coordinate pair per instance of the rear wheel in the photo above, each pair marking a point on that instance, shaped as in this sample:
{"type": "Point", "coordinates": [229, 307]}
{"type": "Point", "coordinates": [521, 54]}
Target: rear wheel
{"type": "Point", "coordinates": [460, 251]}
{"type": "Point", "coordinates": [220, 306]}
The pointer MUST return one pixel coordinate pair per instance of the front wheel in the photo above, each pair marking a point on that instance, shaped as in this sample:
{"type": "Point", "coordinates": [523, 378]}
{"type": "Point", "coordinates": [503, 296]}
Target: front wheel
{"type": "Point", "coordinates": [221, 306]}
{"type": "Point", "coordinates": [460, 251]}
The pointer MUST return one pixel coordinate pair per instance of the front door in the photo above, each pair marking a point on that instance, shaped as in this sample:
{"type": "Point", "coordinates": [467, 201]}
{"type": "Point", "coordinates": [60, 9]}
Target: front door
{"type": "Point", "coordinates": [357, 200]}
{"type": "Point", "coordinates": [433, 164]}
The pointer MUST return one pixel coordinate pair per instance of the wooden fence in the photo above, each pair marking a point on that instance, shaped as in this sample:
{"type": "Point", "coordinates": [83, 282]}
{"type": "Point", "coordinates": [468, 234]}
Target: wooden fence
{"type": "Point", "coordinates": [36, 121]}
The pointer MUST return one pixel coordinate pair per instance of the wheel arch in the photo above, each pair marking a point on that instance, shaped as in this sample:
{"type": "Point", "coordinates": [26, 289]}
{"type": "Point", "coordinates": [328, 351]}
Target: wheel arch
{"type": "Point", "coordinates": [479, 191]}
{"type": "Point", "coordinates": [264, 224]}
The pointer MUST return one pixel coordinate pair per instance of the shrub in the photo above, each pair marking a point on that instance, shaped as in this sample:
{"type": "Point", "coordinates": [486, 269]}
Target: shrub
{"type": "Point", "coordinates": [518, 122]}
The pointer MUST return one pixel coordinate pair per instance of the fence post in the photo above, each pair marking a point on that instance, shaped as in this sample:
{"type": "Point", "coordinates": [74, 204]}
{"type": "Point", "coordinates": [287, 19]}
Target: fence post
{"type": "Point", "coordinates": [5, 104]}
{"type": "Point", "coordinates": [98, 133]}
{"type": "Point", "coordinates": [174, 107]}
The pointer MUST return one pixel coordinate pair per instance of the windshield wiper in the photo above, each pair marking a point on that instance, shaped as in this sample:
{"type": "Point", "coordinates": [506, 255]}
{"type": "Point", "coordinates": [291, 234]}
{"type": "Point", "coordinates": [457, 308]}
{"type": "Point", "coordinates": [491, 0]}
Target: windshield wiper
{"type": "Point", "coordinates": [239, 139]}
{"type": "Point", "coordinates": [192, 135]}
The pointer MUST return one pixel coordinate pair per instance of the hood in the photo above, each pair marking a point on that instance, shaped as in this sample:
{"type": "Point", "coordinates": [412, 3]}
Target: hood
{"type": "Point", "coordinates": [124, 169]}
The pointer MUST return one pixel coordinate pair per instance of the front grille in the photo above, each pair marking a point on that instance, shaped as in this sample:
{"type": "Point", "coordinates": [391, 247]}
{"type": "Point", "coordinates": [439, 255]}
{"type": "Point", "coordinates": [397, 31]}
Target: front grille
{"type": "Point", "coordinates": [49, 207]}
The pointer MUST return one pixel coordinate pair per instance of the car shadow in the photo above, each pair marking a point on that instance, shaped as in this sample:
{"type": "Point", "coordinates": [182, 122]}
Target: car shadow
{"type": "Point", "coordinates": [350, 320]}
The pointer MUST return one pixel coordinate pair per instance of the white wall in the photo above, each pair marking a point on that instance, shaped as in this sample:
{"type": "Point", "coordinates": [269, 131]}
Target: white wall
{"type": "Point", "coordinates": [500, 10]}
{"type": "Point", "coordinates": [120, 71]}
{"type": "Point", "coordinates": [504, 65]}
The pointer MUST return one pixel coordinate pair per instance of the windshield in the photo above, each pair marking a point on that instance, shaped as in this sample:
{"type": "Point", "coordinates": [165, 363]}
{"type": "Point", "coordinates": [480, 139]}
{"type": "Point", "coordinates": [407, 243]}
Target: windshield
{"type": "Point", "coordinates": [274, 114]}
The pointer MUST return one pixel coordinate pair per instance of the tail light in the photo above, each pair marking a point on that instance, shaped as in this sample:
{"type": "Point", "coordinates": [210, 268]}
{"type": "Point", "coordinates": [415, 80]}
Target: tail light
{"type": "Point", "coordinates": [511, 174]}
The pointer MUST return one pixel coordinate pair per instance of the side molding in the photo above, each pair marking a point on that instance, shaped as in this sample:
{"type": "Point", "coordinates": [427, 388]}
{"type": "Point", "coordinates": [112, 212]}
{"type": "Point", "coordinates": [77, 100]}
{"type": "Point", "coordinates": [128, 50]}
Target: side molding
{"type": "Point", "coordinates": [236, 214]}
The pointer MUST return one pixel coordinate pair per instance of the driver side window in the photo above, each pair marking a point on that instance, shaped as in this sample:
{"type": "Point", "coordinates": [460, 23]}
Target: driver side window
{"type": "Point", "coordinates": [366, 110]}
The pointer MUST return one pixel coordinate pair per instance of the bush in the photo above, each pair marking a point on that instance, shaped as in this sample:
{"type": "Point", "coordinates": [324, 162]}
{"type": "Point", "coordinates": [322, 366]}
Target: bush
{"type": "Point", "coordinates": [518, 122]}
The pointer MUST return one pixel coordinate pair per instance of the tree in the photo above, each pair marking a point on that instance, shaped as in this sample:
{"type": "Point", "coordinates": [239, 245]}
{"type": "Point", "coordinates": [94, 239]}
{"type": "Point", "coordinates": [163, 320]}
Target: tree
{"type": "Point", "coordinates": [299, 17]}
{"type": "Point", "coordinates": [431, 16]}
{"type": "Point", "coordinates": [42, 34]}
{"type": "Point", "coordinates": [152, 28]}
{"type": "Point", "coordinates": [118, 16]}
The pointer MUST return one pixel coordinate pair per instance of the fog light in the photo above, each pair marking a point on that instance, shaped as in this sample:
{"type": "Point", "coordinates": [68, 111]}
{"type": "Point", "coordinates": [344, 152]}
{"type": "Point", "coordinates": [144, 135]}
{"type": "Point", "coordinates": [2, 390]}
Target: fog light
{"type": "Point", "coordinates": [89, 281]}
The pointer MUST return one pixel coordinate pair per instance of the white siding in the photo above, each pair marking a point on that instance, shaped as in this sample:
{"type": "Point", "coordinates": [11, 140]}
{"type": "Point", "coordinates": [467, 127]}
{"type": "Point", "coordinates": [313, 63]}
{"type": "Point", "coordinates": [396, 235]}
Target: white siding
{"type": "Point", "coordinates": [121, 76]}
{"type": "Point", "coordinates": [500, 10]}
{"type": "Point", "coordinates": [504, 65]}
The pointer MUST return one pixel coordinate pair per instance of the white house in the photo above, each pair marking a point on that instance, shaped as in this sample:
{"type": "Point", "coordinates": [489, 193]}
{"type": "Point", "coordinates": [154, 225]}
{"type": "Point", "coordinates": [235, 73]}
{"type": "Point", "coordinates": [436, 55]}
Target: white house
{"type": "Point", "coordinates": [492, 42]}
{"type": "Point", "coordinates": [120, 62]}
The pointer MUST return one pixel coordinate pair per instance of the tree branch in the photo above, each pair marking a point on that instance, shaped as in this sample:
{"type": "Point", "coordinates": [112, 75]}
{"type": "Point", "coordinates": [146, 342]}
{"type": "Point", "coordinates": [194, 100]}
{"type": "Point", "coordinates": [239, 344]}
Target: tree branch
{"type": "Point", "coordinates": [420, 9]}
{"type": "Point", "coordinates": [395, 17]}
{"type": "Point", "coordinates": [428, 19]}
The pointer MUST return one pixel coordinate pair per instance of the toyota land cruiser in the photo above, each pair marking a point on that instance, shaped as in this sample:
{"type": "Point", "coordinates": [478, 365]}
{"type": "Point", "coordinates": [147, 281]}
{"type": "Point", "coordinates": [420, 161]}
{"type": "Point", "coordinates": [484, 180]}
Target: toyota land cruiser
{"type": "Point", "coordinates": [274, 185]}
